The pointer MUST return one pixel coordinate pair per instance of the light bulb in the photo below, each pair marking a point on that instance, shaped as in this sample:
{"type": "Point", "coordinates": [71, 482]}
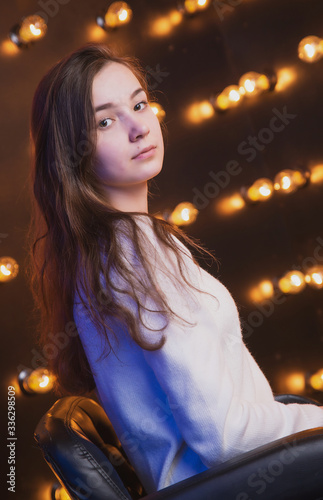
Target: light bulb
{"type": "Point", "coordinates": [117, 14]}
{"type": "Point", "coordinates": [261, 189]}
{"type": "Point", "coordinates": [310, 49]}
{"type": "Point", "coordinates": [316, 380]}
{"type": "Point", "coordinates": [316, 174]}
{"type": "Point", "coordinates": [192, 6]}
{"type": "Point", "coordinates": [36, 381]}
{"type": "Point", "coordinates": [158, 110]}
{"type": "Point", "coordinates": [8, 269]}
{"type": "Point", "coordinates": [200, 111]}
{"type": "Point", "coordinates": [263, 291]}
{"type": "Point", "coordinates": [184, 213]}
{"type": "Point", "coordinates": [253, 83]}
{"type": "Point", "coordinates": [229, 98]}
{"type": "Point", "coordinates": [288, 180]}
{"type": "Point", "coordinates": [292, 282]}
{"type": "Point", "coordinates": [314, 277]}
{"type": "Point", "coordinates": [32, 28]}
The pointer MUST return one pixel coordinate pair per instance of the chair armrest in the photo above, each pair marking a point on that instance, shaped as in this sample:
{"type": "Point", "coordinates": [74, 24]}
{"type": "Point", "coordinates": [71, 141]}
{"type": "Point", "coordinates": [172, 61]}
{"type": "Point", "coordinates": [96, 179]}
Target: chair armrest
{"type": "Point", "coordinates": [296, 398]}
{"type": "Point", "coordinates": [290, 468]}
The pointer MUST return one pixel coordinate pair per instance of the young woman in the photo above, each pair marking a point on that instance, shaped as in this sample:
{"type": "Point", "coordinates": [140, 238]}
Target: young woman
{"type": "Point", "coordinates": [157, 336]}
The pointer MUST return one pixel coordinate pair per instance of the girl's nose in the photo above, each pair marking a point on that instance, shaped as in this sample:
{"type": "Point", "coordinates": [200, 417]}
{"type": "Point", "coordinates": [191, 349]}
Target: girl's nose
{"type": "Point", "coordinates": [138, 129]}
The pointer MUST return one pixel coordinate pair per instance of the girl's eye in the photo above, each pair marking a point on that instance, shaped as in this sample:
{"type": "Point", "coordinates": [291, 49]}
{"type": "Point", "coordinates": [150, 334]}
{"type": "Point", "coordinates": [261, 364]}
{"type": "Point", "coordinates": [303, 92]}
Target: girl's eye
{"type": "Point", "coordinates": [142, 102]}
{"type": "Point", "coordinates": [102, 123]}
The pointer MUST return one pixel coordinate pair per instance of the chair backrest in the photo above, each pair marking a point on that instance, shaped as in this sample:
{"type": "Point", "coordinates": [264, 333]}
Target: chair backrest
{"type": "Point", "coordinates": [80, 446]}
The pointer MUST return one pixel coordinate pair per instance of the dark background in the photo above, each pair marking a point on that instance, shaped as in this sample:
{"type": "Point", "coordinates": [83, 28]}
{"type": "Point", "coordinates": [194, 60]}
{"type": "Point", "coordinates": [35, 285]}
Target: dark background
{"type": "Point", "coordinates": [198, 58]}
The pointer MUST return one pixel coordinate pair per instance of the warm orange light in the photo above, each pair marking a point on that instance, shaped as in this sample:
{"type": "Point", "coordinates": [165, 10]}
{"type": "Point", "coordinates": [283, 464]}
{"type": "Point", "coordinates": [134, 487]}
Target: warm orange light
{"type": "Point", "coordinates": [9, 48]}
{"type": "Point", "coordinates": [95, 33]}
{"type": "Point", "coordinates": [32, 28]}
{"type": "Point", "coordinates": [60, 493]}
{"type": "Point", "coordinates": [295, 383]}
{"type": "Point", "coordinates": [8, 269]}
{"type": "Point", "coordinates": [192, 6]}
{"type": "Point", "coordinates": [229, 98]}
{"type": "Point", "coordinates": [253, 83]}
{"type": "Point", "coordinates": [117, 14]}
{"type": "Point", "coordinates": [184, 214]}
{"type": "Point", "coordinates": [261, 189]}
{"type": "Point", "coordinates": [230, 204]}
{"type": "Point", "coordinates": [316, 174]}
{"type": "Point", "coordinates": [36, 381]}
{"type": "Point", "coordinates": [263, 291]}
{"type": "Point", "coordinates": [314, 277]}
{"type": "Point", "coordinates": [158, 110]}
{"type": "Point", "coordinates": [292, 282]}
{"type": "Point", "coordinates": [199, 111]}
{"type": "Point", "coordinates": [316, 380]}
{"type": "Point", "coordinates": [310, 49]}
{"type": "Point", "coordinates": [288, 180]}
{"type": "Point", "coordinates": [285, 77]}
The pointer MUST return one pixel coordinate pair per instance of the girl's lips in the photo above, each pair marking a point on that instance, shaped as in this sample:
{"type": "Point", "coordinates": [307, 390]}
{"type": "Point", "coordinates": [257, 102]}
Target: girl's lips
{"type": "Point", "coordinates": [146, 154]}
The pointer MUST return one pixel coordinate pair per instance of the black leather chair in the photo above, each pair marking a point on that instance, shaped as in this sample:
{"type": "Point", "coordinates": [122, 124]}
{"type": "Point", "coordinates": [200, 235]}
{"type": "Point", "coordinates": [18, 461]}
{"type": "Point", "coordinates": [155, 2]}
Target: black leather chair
{"type": "Point", "coordinates": [80, 446]}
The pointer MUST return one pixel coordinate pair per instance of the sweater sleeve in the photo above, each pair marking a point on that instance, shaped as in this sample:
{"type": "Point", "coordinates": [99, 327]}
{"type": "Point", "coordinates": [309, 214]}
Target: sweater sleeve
{"type": "Point", "coordinates": [221, 401]}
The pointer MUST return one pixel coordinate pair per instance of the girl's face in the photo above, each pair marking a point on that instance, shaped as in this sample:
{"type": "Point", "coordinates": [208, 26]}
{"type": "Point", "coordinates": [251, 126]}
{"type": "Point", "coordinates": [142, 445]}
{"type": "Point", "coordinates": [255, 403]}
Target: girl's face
{"type": "Point", "coordinates": [125, 125]}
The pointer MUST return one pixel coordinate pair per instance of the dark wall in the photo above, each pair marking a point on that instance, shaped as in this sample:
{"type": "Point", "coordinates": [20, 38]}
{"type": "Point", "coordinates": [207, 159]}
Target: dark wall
{"type": "Point", "coordinates": [198, 58]}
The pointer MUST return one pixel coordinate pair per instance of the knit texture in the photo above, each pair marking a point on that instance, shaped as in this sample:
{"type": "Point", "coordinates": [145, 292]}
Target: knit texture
{"type": "Point", "coordinates": [199, 400]}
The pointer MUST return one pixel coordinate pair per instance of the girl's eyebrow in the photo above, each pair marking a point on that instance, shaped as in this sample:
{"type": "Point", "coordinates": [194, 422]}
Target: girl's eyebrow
{"type": "Point", "coordinates": [111, 104]}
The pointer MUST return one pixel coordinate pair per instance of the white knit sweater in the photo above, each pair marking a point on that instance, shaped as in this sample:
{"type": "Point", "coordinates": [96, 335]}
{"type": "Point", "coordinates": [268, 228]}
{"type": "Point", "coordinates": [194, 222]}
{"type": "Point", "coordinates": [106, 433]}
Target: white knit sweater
{"type": "Point", "coordinates": [199, 400]}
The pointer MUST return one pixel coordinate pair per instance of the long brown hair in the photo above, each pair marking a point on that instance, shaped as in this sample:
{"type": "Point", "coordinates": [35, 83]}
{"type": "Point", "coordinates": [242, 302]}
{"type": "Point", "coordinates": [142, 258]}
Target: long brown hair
{"type": "Point", "coordinates": [72, 226]}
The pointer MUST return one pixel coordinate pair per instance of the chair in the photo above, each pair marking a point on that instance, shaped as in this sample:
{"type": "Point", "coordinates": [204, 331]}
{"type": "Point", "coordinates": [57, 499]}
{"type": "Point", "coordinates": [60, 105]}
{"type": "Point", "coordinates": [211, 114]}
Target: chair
{"type": "Point", "coordinates": [80, 446]}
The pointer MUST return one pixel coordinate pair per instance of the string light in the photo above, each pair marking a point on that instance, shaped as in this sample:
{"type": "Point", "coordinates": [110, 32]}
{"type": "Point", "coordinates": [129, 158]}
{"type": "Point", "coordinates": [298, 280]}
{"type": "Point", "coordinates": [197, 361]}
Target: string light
{"type": "Point", "coordinates": [158, 110]}
{"type": "Point", "coordinates": [292, 282]}
{"type": "Point", "coordinates": [314, 277]}
{"type": "Point", "coordinates": [199, 111]}
{"type": "Point", "coordinates": [36, 381]}
{"type": "Point", "coordinates": [184, 214]}
{"type": "Point", "coordinates": [288, 180]}
{"type": "Point", "coordinates": [252, 84]}
{"type": "Point", "coordinates": [316, 174]}
{"type": "Point", "coordinates": [229, 98]}
{"type": "Point", "coordinates": [193, 6]}
{"type": "Point", "coordinates": [316, 380]}
{"type": "Point", "coordinates": [310, 49]}
{"type": "Point", "coordinates": [261, 189]}
{"type": "Point", "coordinates": [31, 29]}
{"type": "Point", "coordinates": [118, 13]}
{"type": "Point", "coordinates": [263, 291]}
{"type": "Point", "coordinates": [8, 269]}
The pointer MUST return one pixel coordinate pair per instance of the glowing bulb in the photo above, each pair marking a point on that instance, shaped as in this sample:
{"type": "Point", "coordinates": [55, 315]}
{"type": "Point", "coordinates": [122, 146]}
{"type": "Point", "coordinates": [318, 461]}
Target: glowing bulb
{"type": "Point", "coordinates": [295, 382]}
{"type": "Point", "coordinates": [192, 6]}
{"type": "Point", "coordinates": [158, 110]}
{"type": "Point", "coordinates": [263, 291]}
{"type": "Point", "coordinates": [260, 190]}
{"type": "Point", "coordinates": [314, 277]}
{"type": "Point", "coordinates": [32, 28]}
{"type": "Point", "coordinates": [230, 204]}
{"type": "Point", "coordinates": [292, 282]}
{"type": "Point", "coordinates": [8, 269]}
{"type": "Point", "coordinates": [290, 180]}
{"type": "Point", "coordinates": [253, 83]}
{"type": "Point", "coordinates": [36, 381]}
{"type": "Point", "coordinates": [316, 380]}
{"type": "Point", "coordinates": [199, 111]}
{"type": "Point", "coordinates": [229, 98]}
{"type": "Point", "coordinates": [185, 213]}
{"type": "Point", "coordinates": [310, 49]}
{"type": "Point", "coordinates": [117, 14]}
{"type": "Point", "coordinates": [316, 174]}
